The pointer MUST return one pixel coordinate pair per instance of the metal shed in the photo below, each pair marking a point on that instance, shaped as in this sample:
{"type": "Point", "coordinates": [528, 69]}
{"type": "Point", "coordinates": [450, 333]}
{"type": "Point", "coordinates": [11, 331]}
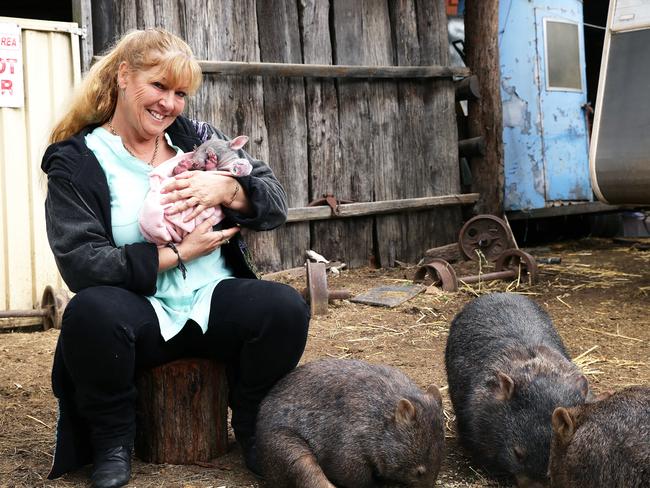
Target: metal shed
{"type": "Point", "coordinates": [51, 67]}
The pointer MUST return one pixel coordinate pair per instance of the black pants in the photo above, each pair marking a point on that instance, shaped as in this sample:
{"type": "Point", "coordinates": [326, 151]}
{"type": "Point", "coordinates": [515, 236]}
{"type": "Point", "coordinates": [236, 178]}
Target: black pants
{"type": "Point", "coordinates": [257, 328]}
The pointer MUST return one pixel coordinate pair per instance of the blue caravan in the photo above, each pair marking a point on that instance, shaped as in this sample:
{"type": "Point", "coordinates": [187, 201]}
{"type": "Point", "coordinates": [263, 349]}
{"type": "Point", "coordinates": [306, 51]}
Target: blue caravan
{"type": "Point", "coordinates": [549, 55]}
{"type": "Point", "coordinates": [544, 95]}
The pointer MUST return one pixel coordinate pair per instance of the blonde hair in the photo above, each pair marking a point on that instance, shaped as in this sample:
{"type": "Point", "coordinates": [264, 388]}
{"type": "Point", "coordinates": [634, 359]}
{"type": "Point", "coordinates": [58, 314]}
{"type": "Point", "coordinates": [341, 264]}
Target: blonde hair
{"type": "Point", "coordinates": [95, 100]}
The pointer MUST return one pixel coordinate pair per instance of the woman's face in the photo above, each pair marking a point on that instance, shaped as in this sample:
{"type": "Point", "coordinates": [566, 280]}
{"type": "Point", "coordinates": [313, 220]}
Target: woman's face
{"type": "Point", "coordinates": [149, 103]}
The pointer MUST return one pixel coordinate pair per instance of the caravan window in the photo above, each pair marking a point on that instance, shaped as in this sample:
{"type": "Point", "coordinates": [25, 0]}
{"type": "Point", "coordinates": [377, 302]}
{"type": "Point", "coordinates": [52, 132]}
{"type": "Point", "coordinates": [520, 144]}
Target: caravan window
{"type": "Point", "coordinates": [562, 45]}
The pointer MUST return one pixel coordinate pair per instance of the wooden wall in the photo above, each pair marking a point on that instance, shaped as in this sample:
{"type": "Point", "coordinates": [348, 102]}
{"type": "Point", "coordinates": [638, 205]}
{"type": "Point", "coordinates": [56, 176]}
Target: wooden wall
{"type": "Point", "coordinates": [360, 139]}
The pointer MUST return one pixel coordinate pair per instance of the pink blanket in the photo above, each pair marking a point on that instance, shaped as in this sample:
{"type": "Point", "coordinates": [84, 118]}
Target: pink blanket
{"type": "Point", "coordinates": [159, 228]}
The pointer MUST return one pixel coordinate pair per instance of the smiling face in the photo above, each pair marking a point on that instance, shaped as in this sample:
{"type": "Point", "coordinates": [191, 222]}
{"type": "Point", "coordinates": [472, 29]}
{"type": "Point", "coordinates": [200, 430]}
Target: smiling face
{"type": "Point", "coordinates": [150, 102]}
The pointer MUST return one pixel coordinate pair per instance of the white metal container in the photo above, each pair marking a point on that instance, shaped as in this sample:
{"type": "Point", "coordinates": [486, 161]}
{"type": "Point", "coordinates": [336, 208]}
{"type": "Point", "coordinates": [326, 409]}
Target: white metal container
{"type": "Point", "coordinates": [619, 156]}
{"type": "Point", "coordinates": [51, 67]}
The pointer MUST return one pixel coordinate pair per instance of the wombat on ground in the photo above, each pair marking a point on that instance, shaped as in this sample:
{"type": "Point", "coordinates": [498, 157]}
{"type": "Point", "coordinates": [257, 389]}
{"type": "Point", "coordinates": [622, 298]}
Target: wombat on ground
{"type": "Point", "coordinates": [507, 370]}
{"type": "Point", "coordinates": [605, 444]}
{"type": "Point", "coordinates": [348, 423]}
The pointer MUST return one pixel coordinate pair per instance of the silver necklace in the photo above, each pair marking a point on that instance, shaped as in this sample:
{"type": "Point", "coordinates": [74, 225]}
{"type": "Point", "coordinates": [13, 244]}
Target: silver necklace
{"type": "Point", "coordinates": [155, 148]}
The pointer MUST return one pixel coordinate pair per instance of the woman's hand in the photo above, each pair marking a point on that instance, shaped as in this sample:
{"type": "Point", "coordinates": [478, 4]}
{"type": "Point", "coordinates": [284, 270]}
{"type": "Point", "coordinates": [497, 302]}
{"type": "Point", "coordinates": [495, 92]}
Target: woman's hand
{"type": "Point", "coordinates": [203, 240]}
{"type": "Point", "coordinates": [198, 190]}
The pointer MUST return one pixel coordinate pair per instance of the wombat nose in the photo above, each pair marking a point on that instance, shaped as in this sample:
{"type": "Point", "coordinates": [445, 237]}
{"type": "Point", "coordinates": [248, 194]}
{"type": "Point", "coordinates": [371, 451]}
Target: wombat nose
{"type": "Point", "coordinates": [524, 481]}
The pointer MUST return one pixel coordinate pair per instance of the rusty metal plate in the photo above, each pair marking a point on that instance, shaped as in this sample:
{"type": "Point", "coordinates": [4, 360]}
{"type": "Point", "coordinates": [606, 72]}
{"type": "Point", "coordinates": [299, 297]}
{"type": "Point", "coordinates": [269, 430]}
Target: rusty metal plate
{"type": "Point", "coordinates": [389, 295]}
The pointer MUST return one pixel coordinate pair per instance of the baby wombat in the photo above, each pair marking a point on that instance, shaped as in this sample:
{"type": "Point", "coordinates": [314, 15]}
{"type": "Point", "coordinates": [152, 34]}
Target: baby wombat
{"type": "Point", "coordinates": [216, 154]}
{"type": "Point", "coordinates": [350, 424]}
{"type": "Point", "coordinates": [603, 444]}
{"type": "Point", "coordinates": [507, 371]}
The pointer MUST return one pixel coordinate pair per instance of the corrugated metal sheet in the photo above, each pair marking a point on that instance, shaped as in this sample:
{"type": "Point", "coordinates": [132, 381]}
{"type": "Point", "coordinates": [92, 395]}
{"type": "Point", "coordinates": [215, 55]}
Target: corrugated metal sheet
{"type": "Point", "coordinates": [51, 68]}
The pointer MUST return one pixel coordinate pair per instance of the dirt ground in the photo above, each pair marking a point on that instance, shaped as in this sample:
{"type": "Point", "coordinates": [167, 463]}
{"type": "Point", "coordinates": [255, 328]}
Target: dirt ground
{"type": "Point", "coordinates": [598, 297]}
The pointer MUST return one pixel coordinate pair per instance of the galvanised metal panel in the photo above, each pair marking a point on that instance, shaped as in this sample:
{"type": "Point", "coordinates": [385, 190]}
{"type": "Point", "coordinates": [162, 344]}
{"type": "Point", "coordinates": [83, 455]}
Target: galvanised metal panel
{"type": "Point", "coordinates": [51, 69]}
{"type": "Point", "coordinates": [545, 132]}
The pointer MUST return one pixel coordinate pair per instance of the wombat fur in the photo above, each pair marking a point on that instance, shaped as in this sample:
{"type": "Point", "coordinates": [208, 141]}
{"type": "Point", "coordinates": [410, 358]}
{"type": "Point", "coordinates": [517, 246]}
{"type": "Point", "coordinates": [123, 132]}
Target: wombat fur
{"type": "Point", "coordinates": [507, 370]}
{"type": "Point", "coordinates": [603, 444]}
{"type": "Point", "coordinates": [350, 424]}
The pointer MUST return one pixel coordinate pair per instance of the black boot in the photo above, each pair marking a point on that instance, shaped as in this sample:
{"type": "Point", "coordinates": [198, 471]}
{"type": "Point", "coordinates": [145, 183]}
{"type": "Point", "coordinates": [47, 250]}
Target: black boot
{"type": "Point", "coordinates": [249, 451]}
{"type": "Point", "coordinates": [111, 467]}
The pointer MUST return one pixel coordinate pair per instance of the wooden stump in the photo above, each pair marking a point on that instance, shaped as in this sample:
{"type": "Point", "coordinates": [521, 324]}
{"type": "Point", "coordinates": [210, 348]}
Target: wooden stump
{"type": "Point", "coordinates": [182, 412]}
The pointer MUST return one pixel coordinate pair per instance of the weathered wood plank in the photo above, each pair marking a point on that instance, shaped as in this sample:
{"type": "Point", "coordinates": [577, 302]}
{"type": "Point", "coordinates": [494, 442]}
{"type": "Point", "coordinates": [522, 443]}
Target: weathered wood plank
{"type": "Point", "coordinates": [284, 110]}
{"type": "Point", "coordinates": [326, 173]}
{"type": "Point", "coordinates": [81, 14]}
{"type": "Point", "coordinates": [388, 175]}
{"type": "Point", "coordinates": [227, 30]}
{"type": "Point", "coordinates": [361, 209]}
{"type": "Point", "coordinates": [126, 17]}
{"type": "Point", "coordinates": [427, 139]}
{"type": "Point", "coordinates": [329, 71]}
{"type": "Point", "coordinates": [103, 31]}
{"type": "Point", "coordinates": [355, 180]}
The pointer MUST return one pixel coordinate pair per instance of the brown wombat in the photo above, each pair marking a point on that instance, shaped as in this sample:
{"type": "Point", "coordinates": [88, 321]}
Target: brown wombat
{"type": "Point", "coordinates": [605, 444]}
{"type": "Point", "coordinates": [348, 423]}
{"type": "Point", "coordinates": [507, 370]}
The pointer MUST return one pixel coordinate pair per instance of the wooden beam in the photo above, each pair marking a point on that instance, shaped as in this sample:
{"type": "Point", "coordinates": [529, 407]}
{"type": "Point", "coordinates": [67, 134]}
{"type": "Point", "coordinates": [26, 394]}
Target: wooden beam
{"type": "Point", "coordinates": [468, 89]}
{"type": "Point", "coordinates": [330, 71]}
{"type": "Point", "coordinates": [234, 68]}
{"type": "Point", "coordinates": [82, 15]}
{"type": "Point", "coordinates": [302, 214]}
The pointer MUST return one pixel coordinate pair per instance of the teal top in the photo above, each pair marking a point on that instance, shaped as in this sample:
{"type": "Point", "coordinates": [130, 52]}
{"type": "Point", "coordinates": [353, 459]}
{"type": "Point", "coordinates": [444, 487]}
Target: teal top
{"type": "Point", "coordinates": [176, 300]}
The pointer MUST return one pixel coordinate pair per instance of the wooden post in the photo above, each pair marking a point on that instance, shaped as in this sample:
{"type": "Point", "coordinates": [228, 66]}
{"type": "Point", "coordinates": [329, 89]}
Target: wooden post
{"type": "Point", "coordinates": [182, 411]}
{"type": "Point", "coordinates": [82, 15]}
{"type": "Point", "coordinates": [485, 115]}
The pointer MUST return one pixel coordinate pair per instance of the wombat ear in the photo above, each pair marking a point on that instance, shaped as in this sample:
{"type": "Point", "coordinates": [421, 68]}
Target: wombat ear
{"type": "Point", "coordinates": [404, 412]}
{"type": "Point", "coordinates": [238, 142]}
{"type": "Point", "coordinates": [563, 424]}
{"type": "Point", "coordinates": [435, 393]}
{"type": "Point", "coordinates": [505, 387]}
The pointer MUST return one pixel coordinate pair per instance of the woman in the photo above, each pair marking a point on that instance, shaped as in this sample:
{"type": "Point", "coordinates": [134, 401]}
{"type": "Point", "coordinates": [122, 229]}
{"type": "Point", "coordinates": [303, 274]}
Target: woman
{"type": "Point", "coordinates": [138, 305]}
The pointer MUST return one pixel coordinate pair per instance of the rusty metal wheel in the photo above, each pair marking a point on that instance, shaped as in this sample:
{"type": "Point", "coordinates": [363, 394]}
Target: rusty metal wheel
{"type": "Point", "coordinates": [486, 234]}
{"type": "Point", "coordinates": [53, 303]}
{"type": "Point", "coordinates": [317, 288]}
{"type": "Point", "coordinates": [439, 272]}
{"type": "Point", "coordinates": [513, 259]}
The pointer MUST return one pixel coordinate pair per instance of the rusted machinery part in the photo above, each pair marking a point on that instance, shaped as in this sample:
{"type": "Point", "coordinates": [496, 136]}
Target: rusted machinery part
{"type": "Point", "coordinates": [485, 233]}
{"type": "Point", "coordinates": [513, 258]}
{"type": "Point", "coordinates": [317, 288]}
{"type": "Point", "coordinates": [439, 272]}
{"type": "Point", "coordinates": [53, 303]}
{"type": "Point", "coordinates": [317, 292]}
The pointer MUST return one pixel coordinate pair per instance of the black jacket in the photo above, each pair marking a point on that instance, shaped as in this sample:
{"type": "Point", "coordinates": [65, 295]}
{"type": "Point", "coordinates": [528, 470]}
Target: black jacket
{"type": "Point", "coordinates": [78, 215]}
{"type": "Point", "coordinates": [78, 222]}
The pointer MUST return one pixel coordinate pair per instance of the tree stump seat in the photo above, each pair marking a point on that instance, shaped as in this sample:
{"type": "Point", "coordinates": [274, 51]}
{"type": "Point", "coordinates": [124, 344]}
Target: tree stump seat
{"type": "Point", "coordinates": [182, 412]}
